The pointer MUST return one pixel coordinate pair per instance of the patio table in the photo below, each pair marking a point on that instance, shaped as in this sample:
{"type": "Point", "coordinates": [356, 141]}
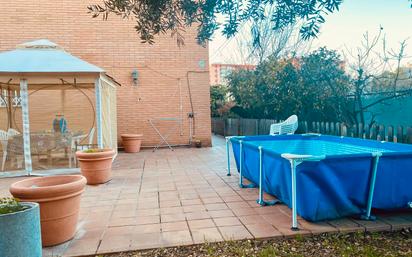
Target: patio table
{"type": "Point", "coordinates": [42, 143]}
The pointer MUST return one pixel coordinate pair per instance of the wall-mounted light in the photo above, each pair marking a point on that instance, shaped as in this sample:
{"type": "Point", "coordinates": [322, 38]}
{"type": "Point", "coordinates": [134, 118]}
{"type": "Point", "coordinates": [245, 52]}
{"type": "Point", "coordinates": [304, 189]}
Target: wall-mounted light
{"type": "Point", "coordinates": [135, 77]}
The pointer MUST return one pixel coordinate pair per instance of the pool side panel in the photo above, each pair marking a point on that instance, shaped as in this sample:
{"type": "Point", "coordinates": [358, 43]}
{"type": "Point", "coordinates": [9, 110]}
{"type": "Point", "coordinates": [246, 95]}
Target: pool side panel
{"type": "Point", "coordinates": [393, 187]}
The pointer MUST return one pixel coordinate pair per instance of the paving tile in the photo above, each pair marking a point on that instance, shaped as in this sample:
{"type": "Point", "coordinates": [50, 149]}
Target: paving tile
{"type": "Point", "coordinates": [83, 233]}
{"type": "Point", "coordinates": [174, 226]}
{"type": "Point", "coordinates": [346, 225]}
{"type": "Point", "coordinates": [57, 250]}
{"type": "Point", "coordinates": [263, 230]}
{"type": "Point", "coordinates": [117, 231]}
{"type": "Point", "coordinates": [317, 227]}
{"type": "Point", "coordinates": [216, 206]}
{"type": "Point", "coordinates": [172, 217]}
{"type": "Point", "coordinates": [197, 215]}
{"type": "Point", "coordinates": [189, 196]}
{"type": "Point", "coordinates": [147, 228]}
{"type": "Point", "coordinates": [170, 203]}
{"type": "Point", "coordinates": [227, 221]}
{"type": "Point", "coordinates": [122, 222]}
{"type": "Point", "coordinates": [148, 212]}
{"type": "Point", "coordinates": [252, 219]}
{"type": "Point", "coordinates": [205, 223]}
{"type": "Point", "coordinates": [142, 220]}
{"type": "Point", "coordinates": [373, 226]}
{"type": "Point", "coordinates": [175, 238]}
{"type": "Point", "coordinates": [145, 241]}
{"type": "Point", "coordinates": [171, 210]}
{"type": "Point", "coordinates": [283, 223]}
{"type": "Point", "coordinates": [233, 198]}
{"type": "Point", "coordinates": [244, 211]}
{"type": "Point", "coordinates": [235, 232]}
{"type": "Point", "coordinates": [82, 247]}
{"type": "Point", "coordinates": [196, 201]}
{"type": "Point", "coordinates": [194, 208]}
{"type": "Point", "coordinates": [221, 213]}
{"type": "Point", "coordinates": [203, 235]}
{"type": "Point", "coordinates": [116, 243]}
{"type": "Point", "coordinates": [148, 205]}
{"type": "Point", "coordinates": [212, 200]}
{"type": "Point", "coordinates": [397, 222]}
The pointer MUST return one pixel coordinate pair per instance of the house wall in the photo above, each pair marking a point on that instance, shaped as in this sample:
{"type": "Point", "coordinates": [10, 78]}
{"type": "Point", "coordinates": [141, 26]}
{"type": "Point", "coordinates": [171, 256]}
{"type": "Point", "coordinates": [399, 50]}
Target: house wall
{"type": "Point", "coordinates": [164, 69]}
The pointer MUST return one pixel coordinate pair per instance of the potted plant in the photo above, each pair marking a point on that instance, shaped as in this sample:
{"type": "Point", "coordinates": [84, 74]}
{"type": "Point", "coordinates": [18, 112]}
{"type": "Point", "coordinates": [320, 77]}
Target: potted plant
{"type": "Point", "coordinates": [132, 142]}
{"type": "Point", "coordinates": [20, 228]}
{"type": "Point", "coordinates": [59, 200]}
{"type": "Point", "coordinates": [96, 165]}
{"type": "Point", "coordinates": [198, 143]}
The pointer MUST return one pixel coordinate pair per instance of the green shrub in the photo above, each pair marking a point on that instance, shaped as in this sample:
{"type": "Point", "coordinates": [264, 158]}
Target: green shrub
{"type": "Point", "coordinates": [11, 205]}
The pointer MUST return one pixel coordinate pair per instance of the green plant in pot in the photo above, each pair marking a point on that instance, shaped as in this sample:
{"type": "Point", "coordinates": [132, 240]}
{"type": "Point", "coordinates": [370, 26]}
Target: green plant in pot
{"type": "Point", "coordinates": [20, 228]}
{"type": "Point", "coordinates": [96, 164]}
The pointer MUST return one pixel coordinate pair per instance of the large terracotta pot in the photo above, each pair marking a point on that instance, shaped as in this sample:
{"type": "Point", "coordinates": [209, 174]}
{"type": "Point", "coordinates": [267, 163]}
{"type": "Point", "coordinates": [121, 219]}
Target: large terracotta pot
{"type": "Point", "coordinates": [132, 142]}
{"type": "Point", "coordinates": [59, 199]}
{"type": "Point", "coordinates": [96, 165]}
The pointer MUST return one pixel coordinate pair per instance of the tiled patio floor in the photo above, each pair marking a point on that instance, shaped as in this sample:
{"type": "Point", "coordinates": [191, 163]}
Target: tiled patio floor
{"type": "Point", "coordinates": [182, 197]}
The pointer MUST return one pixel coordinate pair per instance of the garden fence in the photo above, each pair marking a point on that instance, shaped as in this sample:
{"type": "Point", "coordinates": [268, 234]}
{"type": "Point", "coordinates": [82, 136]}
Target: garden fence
{"type": "Point", "coordinates": [248, 127]}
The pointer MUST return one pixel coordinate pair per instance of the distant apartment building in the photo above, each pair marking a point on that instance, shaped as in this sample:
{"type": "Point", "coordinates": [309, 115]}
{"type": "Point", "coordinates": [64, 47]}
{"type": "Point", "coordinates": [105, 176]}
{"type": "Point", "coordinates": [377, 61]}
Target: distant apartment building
{"type": "Point", "coordinates": [218, 71]}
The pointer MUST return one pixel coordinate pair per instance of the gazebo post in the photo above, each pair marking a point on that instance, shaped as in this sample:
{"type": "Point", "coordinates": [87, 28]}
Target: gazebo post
{"type": "Point", "coordinates": [26, 125]}
{"type": "Point", "coordinates": [98, 93]}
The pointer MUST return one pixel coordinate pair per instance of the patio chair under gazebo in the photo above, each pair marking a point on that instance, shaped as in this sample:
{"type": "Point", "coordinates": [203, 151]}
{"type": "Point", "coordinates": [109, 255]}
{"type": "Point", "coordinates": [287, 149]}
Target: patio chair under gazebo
{"type": "Point", "coordinates": [50, 103]}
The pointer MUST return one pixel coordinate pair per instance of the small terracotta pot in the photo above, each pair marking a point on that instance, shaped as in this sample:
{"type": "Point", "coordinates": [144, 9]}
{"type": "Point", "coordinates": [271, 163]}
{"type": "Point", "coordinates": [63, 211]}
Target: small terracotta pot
{"type": "Point", "coordinates": [96, 166]}
{"type": "Point", "coordinates": [198, 144]}
{"type": "Point", "coordinates": [59, 200]}
{"type": "Point", "coordinates": [132, 142]}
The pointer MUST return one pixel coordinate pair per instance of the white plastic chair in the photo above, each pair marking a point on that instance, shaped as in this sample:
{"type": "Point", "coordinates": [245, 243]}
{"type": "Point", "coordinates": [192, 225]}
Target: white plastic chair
{"type": "Point", "coordinates": [4, 140]}
{"type": "Point", "coordinates": [289, 126]}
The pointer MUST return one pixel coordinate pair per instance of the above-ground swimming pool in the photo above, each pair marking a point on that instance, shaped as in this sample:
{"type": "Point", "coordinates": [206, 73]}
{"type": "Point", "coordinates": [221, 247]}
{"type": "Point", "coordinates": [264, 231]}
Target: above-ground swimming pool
{"type": "Point", "coordinates": [326, 177]}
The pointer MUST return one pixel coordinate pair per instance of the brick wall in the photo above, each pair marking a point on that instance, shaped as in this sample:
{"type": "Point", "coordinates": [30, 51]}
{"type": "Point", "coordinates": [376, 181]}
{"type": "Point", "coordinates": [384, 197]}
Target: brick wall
{"type": "Point", "coordinates": [164, 68]}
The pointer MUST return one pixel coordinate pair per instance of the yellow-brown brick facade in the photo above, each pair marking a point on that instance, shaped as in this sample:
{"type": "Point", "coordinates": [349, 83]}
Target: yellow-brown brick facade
{"type": "Point", "coordinates": [164, 69]}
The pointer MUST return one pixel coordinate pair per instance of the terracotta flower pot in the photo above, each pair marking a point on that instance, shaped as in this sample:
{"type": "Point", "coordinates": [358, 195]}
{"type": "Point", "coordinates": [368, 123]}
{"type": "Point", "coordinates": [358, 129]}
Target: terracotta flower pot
{"type": "Point", "coordinates": [132, 142]}
{"type": "Point", "coordinates": [59, 199]}
{"type": "Point", "coordinates": [96, 165]}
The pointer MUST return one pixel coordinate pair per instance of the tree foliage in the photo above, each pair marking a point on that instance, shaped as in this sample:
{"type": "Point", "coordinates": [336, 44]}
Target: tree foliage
{"type": "Point", "coordinates": [314, 87]}
{"type": "Point", "coordinates": [219, 102]}
{"type": "Point", "coordinates": [162, 16]}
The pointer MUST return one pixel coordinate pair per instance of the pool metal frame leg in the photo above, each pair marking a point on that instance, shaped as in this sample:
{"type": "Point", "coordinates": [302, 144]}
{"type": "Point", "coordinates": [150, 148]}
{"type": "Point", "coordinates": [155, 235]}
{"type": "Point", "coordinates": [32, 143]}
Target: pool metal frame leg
{"type": "Point", "coordinates": [294, 161]}
{"type": "Point", "coordinates": [261, 200]}
{"type": "Point", "coordinates": [228, 155]}
{"type": "Point", "coordinates": [367, 215]}
{"type": "Point", "coordinates": [241, 185]}
{"type": "Point", "coordinates": [293, 164]}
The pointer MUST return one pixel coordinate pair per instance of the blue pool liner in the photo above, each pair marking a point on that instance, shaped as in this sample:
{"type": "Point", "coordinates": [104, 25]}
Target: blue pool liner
{"type": "Point", "coordinates": [336, 186]}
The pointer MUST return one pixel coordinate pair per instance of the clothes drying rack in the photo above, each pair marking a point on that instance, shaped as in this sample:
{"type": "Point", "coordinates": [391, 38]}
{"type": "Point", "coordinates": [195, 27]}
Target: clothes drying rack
{"type": "Point", "coordinates": [167, 133]}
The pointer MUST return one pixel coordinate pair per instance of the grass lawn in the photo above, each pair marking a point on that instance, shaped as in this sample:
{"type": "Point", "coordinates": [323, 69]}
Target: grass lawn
{"type": "Point", "coordinates": [353, 244]}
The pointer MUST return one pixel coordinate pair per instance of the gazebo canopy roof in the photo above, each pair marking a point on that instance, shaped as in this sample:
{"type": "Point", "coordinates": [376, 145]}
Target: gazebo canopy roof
{"type": "Point", "coordinates": [43, 56]}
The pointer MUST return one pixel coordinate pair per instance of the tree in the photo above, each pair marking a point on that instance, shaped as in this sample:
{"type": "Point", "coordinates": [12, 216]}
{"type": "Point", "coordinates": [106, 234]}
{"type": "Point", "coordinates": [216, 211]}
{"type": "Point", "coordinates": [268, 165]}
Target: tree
{"type": "Point", "coordinates": [314, 87]}
{"type": "Point", "coordinates": [257, 40]}
{"type": "Point", "coordinates": [219, 103]}
{"type": "Point", "coordinates": [377, 77]}
{"type": "Point", "coordinates": [326, 86]}
{"type": "Point", "coordinates": [155, 17]}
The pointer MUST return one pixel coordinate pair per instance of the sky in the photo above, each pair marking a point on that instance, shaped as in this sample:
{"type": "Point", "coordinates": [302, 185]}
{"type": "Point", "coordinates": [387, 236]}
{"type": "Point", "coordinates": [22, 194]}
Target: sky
{"type": "Point", "coordinates": [344, 29]}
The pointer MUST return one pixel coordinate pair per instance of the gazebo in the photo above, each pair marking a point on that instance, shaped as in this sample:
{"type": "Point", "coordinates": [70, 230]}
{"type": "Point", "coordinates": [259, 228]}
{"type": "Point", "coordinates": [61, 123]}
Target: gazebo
{"type": "Point", "coordinates": [52, 104]}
